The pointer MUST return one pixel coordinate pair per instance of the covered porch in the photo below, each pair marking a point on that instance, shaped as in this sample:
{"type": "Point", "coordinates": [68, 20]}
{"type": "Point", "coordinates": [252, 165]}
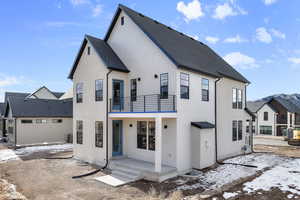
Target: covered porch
{"type": "Point", "coordinates": [144, 142]}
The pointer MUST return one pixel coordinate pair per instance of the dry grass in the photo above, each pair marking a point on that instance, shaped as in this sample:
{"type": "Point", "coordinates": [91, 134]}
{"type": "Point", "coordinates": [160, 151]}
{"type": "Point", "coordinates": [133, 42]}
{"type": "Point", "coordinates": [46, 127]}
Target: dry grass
{"type": "Point", "coordinates": [8, 191]}
{"type": "Point", "coordinates": [155, 195]}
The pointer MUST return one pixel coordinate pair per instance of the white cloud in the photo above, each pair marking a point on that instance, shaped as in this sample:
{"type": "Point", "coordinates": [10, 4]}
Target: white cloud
{"type": "Point", "coordinates": [269, 61]}
{"type": "Point", "coordinates": [263, 35]}
{"type": "Point", "coordinates": [294, 60]}
{"type": "Point", "coordinates": [236, 39]}
{"type": "Point", "coordinates": [277, 33]}
{"type": "Point", "coordinates": [226, 10]}
{"type": "Point", "coordinates": [8, 81]}
{"type": "Point", "coordinates": [191, 11]}
{"type": "Point", "coordinates": [79, 2]}
{"type": "Point", "coordinates": [269, 2]}
{"type": "Point", "coordinates": [240, 60]}
{"type": "Point", "coordinates": [97, 10]}
{"type": "Point", "coordinates": [212, 40]}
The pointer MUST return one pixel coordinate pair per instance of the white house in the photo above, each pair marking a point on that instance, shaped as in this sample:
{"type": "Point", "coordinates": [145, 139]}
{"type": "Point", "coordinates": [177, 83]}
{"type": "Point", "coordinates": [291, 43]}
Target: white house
{"type": "Point", "coordinates": [37, 118]}
{"type": "Point", "coordinates": [276, 115]}
{"type": "Point", "coordinates": [150, 95]}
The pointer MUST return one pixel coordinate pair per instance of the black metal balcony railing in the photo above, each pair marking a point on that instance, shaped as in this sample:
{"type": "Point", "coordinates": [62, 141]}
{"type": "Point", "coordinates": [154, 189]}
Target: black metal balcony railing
{"type": "Point", "coordinates": [144, 104]}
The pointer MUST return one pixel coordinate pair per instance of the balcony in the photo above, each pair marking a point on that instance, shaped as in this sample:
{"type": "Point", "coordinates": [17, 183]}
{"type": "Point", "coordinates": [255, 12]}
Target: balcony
{"type": "Point", "coordinates": [154, 103]}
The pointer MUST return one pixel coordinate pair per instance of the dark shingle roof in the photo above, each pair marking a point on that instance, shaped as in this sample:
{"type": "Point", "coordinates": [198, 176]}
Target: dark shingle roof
{"type": "Point", "coordinates": [58, 94]}
{"type": "Point", "coordinates": [40, 107]}
{"type": "Point", "coordinates": [2, 109]}
{"type": "Point", "coordinates": [254, 106]}
{"type": "Point", "coordinates": [184, 51]}
{"type": "Point", "coordinates": [203, 125]}
{"type": "Point", "coordinates": [288, 104]}
{"type": "Point", "coordinates": [104, 51]}
{"type": "Point", "coordinates": [15, 94]}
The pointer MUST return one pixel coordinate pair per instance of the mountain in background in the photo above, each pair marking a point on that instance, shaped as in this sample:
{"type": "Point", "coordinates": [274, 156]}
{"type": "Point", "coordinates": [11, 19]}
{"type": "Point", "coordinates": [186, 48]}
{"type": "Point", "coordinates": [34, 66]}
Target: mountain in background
{"type": "Point", "coordinates": [293, 97]}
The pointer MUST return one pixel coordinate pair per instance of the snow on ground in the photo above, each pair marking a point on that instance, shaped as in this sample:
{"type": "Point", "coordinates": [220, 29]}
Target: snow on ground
{"type": "Point", "coordinates": [7, 154]}
{"type": "Point", "coordinates": [285, 176]}
{"type": "Point", "coordinates": [228, 195]}
{"type": "Point", "coordinates": [50, 148]}
{"type": "Point", "coordinates": [8, 191]}
{"type": "Point", "coordinates": [225, 174]}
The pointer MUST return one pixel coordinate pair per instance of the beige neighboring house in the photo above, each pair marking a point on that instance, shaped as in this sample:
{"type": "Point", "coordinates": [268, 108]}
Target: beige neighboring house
{"type": "Point", "coordinates": [153, 103]}
{"type": "Point", "coordinates": [38, 118]}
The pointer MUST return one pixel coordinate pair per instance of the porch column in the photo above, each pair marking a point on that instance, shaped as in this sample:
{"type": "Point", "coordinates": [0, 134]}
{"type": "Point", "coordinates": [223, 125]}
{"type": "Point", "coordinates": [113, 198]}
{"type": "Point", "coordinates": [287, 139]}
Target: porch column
{"type": "Point", "coordinates": [288, 120]}
{"type": "Point", "coordinates": [158, 144]}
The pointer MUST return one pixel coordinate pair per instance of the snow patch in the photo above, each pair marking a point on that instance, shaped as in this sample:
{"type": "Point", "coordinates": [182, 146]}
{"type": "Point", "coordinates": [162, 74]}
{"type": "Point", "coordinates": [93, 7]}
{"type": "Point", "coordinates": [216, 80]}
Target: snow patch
{"type": "Point", "coordinates": [228, 195]}
{"type": "Point", "coordinates": [285, 176]}
{"type": "Point", "coordinates": [50, 148]}
{"type": "Point", "coordinates": [7, 154]}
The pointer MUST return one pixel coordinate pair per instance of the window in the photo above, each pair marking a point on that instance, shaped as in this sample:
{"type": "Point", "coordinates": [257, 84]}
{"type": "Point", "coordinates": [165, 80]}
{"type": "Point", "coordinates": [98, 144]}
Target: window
{"type": "Point", "coordinates": [184, 86]}
{"type": "Point", "coordinates": [122, 20]}
{"type": "Point", "coordinates": [26, 121]}
{"type": "Point", "coordinates": [164, 86]}
{"type": "Point", "coordinates": [146, 135]}
{"type": "Point", "coordinates": [41, 121]}
{"type": "Point", "coordinates": [265, 130]}
{"type": "Point", "coordinates": [234, 130]}
{"type": "Point", "coordinates": [237, 98]}
{"type": "Point", "coordinates": [10, 130]}
{"type": "Point", "coordinates": [133, 89]}
{"type": "Point", "coordinates": [89, 50]}
{"type": "Point", "coordinates": [266, 116]}
{"type": "Point", "coordinates": [151, 136]}
{"type": "Point", "coordinates": [234, 96]}
{"type": "Point", "coordinates": [240, 130]}
{"type": "Point", "coordinates": [79, 132]}
{"type": "Point", "coordinates": [240, 99]}
{"type": "Point", "coordinates": [205, 89]}
{"type": "Point", "coordinates": [99, 90]}
{"type": "Point", "coordinates": [57, 120]}
{"type": "Point", "coordinates": [142, 134]}
{"type": "Point", "coordinates": [99, 134]}
{"type": "Point", "coordinates": [79, 92]}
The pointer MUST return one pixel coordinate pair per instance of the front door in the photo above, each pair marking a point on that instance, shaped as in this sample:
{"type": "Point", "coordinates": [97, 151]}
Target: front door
{"type": "Point", "coordinates": [118, 94]}
{"type": "Point", "coordinates": [117, 138]}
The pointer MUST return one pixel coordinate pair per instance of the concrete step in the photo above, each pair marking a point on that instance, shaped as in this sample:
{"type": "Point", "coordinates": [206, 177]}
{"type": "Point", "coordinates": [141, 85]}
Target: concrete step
{"type": "Point", "coordinates": [125, 175]}
{"type": "Point", "coordinates": [125, 169]}
{"type": "Point", "coordinates": [114, 180]}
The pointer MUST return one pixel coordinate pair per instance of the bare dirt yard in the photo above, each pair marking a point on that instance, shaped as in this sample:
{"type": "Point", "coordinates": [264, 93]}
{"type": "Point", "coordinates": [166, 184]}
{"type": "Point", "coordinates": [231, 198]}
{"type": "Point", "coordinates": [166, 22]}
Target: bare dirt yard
{"type": "Point", "coordinates": [27, 174]}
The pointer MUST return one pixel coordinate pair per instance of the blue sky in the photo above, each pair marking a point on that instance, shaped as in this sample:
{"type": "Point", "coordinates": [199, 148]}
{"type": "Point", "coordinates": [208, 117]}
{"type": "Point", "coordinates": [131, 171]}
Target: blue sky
{"type": "Point", "coordinates": [261, 38]}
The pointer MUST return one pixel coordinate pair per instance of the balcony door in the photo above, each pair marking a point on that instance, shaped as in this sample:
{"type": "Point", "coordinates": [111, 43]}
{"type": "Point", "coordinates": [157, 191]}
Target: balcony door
{"type": "Point", "coordinates": [118, 94]}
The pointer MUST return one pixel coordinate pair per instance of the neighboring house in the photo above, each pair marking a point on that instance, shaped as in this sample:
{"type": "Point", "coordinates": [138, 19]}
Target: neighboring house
{"type": "Point", "coordinates": [152, 94]}
{"type": "Point", "coordinates": [40, 117]}
{"type": "Point", "coordinates": [2, 120]}
{"type": "Point", "coordinates": [274, 116]}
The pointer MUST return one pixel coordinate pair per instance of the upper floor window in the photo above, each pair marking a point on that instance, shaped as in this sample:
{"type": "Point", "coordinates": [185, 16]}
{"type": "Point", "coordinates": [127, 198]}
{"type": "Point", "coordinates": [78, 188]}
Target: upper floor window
{"type": "Point", "coordinates": [41, 121]}
{"type": "Point", "coordinates": [122, 20]}
{"type": "Point", "coordinates": [164, 86]}
{"type": "Point", "coordinates": [237, 98]}
{"type": "Point", "coordinates": [266, 116]}
{"type": "Point", "coordinates": [99, 90]}
{"type": "Point", "coordinates": [133, 89]}
{"type": "Point", "coordinates": [89, 50]}
{"type": "Point", "coordinates": [184, 86]}
{"type": "Point", "coordinates": [26, 121]}
{"type": "Point", "coordinates": [79, 92]}
{"type": "Point", "coordinates": [205, 89]}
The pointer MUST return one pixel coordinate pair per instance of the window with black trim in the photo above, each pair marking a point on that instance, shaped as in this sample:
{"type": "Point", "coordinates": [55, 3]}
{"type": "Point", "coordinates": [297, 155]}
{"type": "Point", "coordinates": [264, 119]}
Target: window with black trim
{"type": "Point", "coordinates": [266, 116]}
{"type": "Point", "coordinates": [234, 98]}
{"type": "Point", "coordinates": [122, 20]}
{"type": "Point", "coordinates": [234, 130]}
{"type": "Point", "coordinates": [240, 130]}
{"type": "Point", "coordinates": [151, 135]}
{"type": "Point", "coordinates": [142, 134]}
{"type": "Point", "coordinates": [133, 89]}
{"type": "Point", "coordinates": [99, 134]}
{"type": "Point", "coordinates": [26, 121]}
{"type": "Point", "coordinates": [79, 131]}
{"type": "Point", "coordinates": [56, 121]}
{"type": "Point", "coordinates": [265, 130]}
{"type": "Point", "coordinates": [41, 121]}
{"type": "Point", "coordinates": [184, 86]}
{"type": "Point", "coordinates": [99, 90]}
{"type": "Point", "coordinates": [240, 98]}
{"type": "Point", "coordinates": [79, 92]}
{"type": "Point", "coordinates": [164, 86]}
{"type": "Point", "coordinates": [89, 50]}
{"type": "Point", "coordinates": [205, 89]}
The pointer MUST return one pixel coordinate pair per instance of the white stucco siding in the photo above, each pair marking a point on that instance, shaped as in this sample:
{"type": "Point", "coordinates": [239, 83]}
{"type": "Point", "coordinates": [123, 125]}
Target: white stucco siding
{"type": "Point", "coordinates": [271, 118]}
{"type": "Point", "coordinates": [168, 140]}
{"type": "Point", "coordinates": [89, 69]}
{"type": "Point", "coordinates": [49, 132]}
{"type": "Point", "coordinates": [142, 57]}
{"type": "Point", "coordinates": [191, 110]}
{"type": "Point", "coordinates": [43, 93]}
{"type": "Point", "coordinates": [225, 115]}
